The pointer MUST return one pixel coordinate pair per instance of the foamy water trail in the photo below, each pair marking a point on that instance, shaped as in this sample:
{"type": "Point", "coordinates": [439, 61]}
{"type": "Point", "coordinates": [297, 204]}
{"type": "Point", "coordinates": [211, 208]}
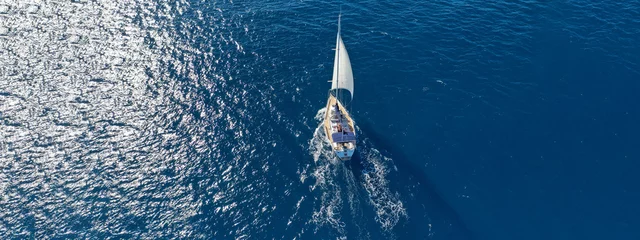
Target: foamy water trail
{"type": "Point", "coordinates": [324, 172]}
{"type": "Point", "coordinates": [335, 181]}
{"type": "Point", "coordinates": [389, 209]}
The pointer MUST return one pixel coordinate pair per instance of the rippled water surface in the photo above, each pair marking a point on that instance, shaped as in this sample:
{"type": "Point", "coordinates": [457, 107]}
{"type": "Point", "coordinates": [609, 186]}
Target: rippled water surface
{"type": "Point", "coordinates": [200, 119]}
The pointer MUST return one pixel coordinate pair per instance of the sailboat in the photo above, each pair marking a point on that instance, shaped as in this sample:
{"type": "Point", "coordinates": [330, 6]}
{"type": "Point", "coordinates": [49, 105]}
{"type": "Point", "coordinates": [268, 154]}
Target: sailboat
{"type": "Point", "coordinates": [338, 125]}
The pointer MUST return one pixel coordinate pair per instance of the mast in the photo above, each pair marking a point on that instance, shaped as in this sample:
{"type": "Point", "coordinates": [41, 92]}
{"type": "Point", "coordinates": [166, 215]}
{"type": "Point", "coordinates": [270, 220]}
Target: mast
{"type": "Point", "coordinates": [338, 56]}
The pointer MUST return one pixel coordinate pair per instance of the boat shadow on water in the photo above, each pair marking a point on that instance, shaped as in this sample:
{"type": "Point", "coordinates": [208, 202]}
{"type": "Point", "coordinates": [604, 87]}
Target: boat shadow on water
{"type": "Point", "coordinates": [408, 174]}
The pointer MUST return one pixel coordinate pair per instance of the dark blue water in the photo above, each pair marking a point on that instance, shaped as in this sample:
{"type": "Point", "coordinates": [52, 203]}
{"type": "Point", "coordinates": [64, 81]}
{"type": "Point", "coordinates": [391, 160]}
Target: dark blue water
{"type": "Point", "coordinates": [200, 120]}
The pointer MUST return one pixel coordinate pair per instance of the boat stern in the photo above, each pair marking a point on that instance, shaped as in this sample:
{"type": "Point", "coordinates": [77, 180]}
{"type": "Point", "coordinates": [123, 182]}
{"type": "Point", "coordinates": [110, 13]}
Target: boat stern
{"type": "Point", "coordinates": [344, 151]}
{"type": "Point", "coordinates": [345, 154]}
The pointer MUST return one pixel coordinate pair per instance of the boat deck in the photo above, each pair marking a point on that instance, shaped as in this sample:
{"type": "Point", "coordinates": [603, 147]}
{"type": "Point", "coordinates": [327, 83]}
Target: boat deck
{"type": "Point", "coordinates": [339, 125]}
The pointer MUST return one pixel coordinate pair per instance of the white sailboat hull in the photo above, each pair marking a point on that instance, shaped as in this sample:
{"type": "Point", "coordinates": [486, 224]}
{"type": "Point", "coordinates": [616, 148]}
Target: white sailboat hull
{"type": "Point", "coordinates": [340, 130]}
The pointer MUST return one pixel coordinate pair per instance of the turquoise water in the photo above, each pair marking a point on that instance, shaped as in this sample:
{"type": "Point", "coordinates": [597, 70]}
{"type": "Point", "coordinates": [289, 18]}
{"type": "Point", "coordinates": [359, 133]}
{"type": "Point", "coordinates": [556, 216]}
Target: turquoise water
{"type": "Point", "coordinates": [200, 120]}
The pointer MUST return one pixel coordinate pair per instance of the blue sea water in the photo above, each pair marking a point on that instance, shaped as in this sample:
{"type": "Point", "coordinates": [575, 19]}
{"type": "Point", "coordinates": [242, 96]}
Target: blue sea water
{"type": "Point", "coordinates": [200, 120]}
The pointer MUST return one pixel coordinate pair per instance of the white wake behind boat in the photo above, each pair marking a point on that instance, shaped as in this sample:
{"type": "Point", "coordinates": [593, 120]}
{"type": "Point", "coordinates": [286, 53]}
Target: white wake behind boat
{"type": "Point", "coordinates": [338, 124]}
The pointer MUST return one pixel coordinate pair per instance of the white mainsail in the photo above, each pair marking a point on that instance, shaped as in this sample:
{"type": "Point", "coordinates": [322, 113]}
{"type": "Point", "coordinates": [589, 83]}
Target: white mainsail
{"type": "Point", "coordinates": [342, 74]}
